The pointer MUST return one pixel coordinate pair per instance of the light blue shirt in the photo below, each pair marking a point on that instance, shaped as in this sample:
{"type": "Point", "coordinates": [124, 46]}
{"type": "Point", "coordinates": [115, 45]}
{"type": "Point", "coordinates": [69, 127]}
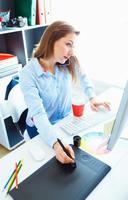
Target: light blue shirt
{"type": "Point", "coordinates": [48, 97]}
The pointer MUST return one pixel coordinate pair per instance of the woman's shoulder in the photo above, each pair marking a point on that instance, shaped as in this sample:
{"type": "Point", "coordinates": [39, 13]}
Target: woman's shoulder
{"type": "Point", "coordinates": [32, 62]}
{"type": "Point", "coordinates": [29, 69]}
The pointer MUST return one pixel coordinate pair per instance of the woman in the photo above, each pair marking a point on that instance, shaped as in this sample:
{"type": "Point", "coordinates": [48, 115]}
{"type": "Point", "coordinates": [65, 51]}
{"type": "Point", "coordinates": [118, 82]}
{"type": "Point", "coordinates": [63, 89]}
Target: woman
{"type": "Point", "coordinates": [46, 82]}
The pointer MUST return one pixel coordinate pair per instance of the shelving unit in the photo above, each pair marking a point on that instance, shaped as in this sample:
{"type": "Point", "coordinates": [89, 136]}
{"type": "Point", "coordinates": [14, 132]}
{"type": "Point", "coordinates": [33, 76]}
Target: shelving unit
{"type": "Point", "coordinates": [20, 42]}
{"type": "Point", "coordinates": [32, 37]}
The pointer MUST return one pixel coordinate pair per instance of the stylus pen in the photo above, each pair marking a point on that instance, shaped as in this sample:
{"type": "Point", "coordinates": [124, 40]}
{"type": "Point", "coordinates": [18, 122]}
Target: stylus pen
{"type": "Point", "coordinates": [64, 149]}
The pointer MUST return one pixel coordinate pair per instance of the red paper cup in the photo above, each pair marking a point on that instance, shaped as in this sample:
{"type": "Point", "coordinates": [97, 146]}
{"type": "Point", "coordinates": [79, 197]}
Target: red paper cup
{"type": "Point", "coordinates": [78, 110]}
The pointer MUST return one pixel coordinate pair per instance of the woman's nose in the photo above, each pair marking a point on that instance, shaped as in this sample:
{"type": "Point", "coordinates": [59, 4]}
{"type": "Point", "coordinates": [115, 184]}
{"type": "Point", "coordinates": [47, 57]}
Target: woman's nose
{"type": "Point", "coordinates": [71, 52]}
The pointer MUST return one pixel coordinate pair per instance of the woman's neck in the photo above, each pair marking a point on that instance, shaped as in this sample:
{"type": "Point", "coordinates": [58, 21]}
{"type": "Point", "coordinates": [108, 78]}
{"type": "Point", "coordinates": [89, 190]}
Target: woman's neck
{"type": "Point", "coordinates": [47, 65]}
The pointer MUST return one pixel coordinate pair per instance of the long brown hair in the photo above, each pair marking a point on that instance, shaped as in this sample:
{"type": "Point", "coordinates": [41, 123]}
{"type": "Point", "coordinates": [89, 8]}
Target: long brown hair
{"type": "Point", "coordinates": [52, 33]}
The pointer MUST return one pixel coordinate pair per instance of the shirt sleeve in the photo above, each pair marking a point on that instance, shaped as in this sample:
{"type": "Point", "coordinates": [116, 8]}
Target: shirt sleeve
{"type": "Point", "coordinates": [84, 83]}
{"type": "Point", "coordinates": [47, 131]}
{"type": "Point", "coordinates": [87, 86]}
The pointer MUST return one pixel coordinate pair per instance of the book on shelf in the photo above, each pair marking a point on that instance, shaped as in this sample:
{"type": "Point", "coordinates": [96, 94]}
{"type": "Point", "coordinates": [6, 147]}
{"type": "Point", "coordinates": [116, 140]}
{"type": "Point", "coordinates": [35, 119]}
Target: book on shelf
{"type": "Point", "coordinates": [7, 59]}
{"type": "Point", "coordinates": [9, 68]}
{"type": "Point", "coordinates": [12, 70]}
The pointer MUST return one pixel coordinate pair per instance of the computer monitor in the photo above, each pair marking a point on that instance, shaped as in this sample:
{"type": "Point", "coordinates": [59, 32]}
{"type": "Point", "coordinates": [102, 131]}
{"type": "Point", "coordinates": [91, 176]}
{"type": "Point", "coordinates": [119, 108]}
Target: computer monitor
{"type": "Point", "coordinates": [120, 120]}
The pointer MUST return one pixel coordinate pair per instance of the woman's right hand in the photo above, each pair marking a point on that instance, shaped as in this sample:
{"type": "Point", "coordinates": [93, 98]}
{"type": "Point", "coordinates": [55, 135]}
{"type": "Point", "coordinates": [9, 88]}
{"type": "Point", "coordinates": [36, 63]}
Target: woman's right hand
{"type": "Point", "coordinates": [61, 156]}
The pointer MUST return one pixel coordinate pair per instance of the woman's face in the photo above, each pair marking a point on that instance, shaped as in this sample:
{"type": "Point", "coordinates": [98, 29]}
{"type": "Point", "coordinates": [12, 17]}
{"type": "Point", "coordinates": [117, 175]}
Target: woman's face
{"type": "Point", "coordinates": [63, 48]}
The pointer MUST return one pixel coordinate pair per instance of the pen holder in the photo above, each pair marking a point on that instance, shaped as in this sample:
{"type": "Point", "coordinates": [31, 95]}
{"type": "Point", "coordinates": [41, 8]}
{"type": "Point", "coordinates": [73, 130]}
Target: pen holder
{"type": "Point", "coordinates": [77, 141]}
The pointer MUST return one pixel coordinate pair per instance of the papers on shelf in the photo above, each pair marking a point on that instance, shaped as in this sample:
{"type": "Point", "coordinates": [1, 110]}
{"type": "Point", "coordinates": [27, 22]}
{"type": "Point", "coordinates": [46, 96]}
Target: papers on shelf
{"type": "Point", "coordinates": [8, 64]}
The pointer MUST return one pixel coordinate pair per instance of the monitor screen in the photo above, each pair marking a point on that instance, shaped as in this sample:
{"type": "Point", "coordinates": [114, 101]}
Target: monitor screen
{"type": "Point", "coordinates": [120, 120]}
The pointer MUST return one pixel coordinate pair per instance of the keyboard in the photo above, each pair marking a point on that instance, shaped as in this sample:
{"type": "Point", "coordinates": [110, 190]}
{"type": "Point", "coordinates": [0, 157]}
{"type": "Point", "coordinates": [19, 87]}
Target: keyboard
{"type": "Point", "coordinates": [74, 125]}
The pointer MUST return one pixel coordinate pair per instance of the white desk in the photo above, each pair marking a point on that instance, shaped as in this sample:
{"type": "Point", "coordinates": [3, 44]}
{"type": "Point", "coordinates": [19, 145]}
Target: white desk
{"type": "Point", "coordinates": [113, 186]}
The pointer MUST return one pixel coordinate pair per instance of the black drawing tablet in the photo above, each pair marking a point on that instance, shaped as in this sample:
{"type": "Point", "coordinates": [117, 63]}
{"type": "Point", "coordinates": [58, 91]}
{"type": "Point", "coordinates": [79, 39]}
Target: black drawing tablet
{"type": "Point", "coordinates": [54, 181]}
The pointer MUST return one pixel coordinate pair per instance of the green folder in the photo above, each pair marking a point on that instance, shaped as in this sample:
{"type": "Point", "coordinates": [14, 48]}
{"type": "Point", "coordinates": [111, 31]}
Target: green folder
{"type": "Point", "coordinates": [26, 8]}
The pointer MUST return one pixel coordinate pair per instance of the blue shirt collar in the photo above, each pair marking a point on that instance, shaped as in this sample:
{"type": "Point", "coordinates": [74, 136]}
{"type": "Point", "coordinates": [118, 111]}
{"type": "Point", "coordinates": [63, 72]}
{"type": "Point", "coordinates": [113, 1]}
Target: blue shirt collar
{"type": "Point", "coordinates": [37, 67]}
{"type": "Point", "coordinates": [39, 70]}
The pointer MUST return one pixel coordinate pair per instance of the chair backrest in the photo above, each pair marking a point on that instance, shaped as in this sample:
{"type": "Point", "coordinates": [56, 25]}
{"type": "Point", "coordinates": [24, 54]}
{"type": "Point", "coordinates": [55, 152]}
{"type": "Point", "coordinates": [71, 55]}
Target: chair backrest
{"type": "Point", "coordinates": [18, 108]}
{"type": "Point", "coordinates": [13, 113]}
{"type": "Point", "coordinates": [11, 133]}
{"type": "Point", "coordinates": [13, 82]}
{"type": "Point", "coordinates": [22, 121]}
{"type": "Point", "coordinates": [16, 100]}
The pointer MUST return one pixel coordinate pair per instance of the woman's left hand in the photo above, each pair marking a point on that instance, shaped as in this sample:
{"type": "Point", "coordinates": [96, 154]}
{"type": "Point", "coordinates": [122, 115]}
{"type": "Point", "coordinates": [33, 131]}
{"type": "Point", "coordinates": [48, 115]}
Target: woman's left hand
{"type": "Point", "coordinates": [96, 104]}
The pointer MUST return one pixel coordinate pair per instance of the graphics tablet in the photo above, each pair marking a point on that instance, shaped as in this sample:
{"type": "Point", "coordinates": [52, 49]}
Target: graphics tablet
{"type": "Point", "coordinates": [54, 181]}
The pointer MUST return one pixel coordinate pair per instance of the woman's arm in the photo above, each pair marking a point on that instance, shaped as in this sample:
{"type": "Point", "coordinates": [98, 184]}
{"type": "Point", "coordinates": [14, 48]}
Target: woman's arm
{"type": "Point", "coordinates": [88, 89]}
{"type": "Point", "coordinates": [47, 131]}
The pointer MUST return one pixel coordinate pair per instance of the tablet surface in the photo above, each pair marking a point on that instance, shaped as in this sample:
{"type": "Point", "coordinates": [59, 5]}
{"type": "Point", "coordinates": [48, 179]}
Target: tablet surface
{"type": "Point", "coordinates": [54, 181]}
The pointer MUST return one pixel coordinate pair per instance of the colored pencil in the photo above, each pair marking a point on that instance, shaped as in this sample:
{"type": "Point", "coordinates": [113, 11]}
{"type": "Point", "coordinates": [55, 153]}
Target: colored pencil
{"type": "Point", "coordinates": [11, 176]}
{"type": "Point", "coordinates": [16, 174]}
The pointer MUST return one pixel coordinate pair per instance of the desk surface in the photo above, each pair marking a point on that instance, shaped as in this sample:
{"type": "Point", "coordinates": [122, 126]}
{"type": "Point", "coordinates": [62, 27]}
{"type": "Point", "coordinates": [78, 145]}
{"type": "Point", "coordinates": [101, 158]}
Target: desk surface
{"type": "Point", "coordinates": [113, 186]}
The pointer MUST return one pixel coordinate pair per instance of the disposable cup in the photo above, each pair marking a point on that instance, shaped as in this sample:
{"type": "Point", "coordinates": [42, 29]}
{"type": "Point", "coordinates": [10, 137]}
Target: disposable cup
{"type": "Point", "coordinates": [78, 105]}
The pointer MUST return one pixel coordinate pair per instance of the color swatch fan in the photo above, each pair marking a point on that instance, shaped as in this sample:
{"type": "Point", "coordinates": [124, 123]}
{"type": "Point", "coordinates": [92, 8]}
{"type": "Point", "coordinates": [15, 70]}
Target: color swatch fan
{"type": "Point", "coordinates": [95, 142]}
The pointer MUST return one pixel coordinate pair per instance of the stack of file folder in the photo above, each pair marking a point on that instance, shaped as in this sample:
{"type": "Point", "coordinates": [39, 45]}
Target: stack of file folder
{"type": "Point", "coordinates": [36, 11]}
{"type": "Point", "coordinates": [9, 64]}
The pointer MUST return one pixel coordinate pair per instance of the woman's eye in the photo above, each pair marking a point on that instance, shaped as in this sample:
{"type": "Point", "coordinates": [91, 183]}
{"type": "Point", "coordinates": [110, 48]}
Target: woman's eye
{"type": "Point", "coordinates": [69, 45]}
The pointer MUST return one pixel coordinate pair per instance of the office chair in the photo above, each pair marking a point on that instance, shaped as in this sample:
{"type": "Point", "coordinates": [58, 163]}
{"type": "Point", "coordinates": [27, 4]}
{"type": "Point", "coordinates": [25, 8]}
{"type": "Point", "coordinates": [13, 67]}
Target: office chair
{"type": "Point", "coordinates": [20, 110]}
{"type": "Point", "coordinates": [13, 82]}
{"type": "Point", "coordinates": [12, 118]}
{"type": "Point", "coordinates": [12, 128]}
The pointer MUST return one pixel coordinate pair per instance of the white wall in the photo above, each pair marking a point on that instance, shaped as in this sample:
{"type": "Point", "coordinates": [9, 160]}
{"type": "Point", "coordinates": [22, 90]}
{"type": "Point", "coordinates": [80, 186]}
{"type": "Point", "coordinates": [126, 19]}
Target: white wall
{"type": "Point", "coordinates": [103, 42]}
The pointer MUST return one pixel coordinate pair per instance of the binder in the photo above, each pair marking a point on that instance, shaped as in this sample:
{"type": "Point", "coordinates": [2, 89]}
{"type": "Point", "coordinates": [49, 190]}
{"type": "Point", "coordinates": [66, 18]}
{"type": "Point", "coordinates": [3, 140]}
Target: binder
{"type": "Point", "coordinates": [26, 9]}
{"type": "Point", "coordinates": [40, 12]}
{"type": "Point", "coordinates": [59, 182]}
{"type": "Point", "coordinates": [48, 11]}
